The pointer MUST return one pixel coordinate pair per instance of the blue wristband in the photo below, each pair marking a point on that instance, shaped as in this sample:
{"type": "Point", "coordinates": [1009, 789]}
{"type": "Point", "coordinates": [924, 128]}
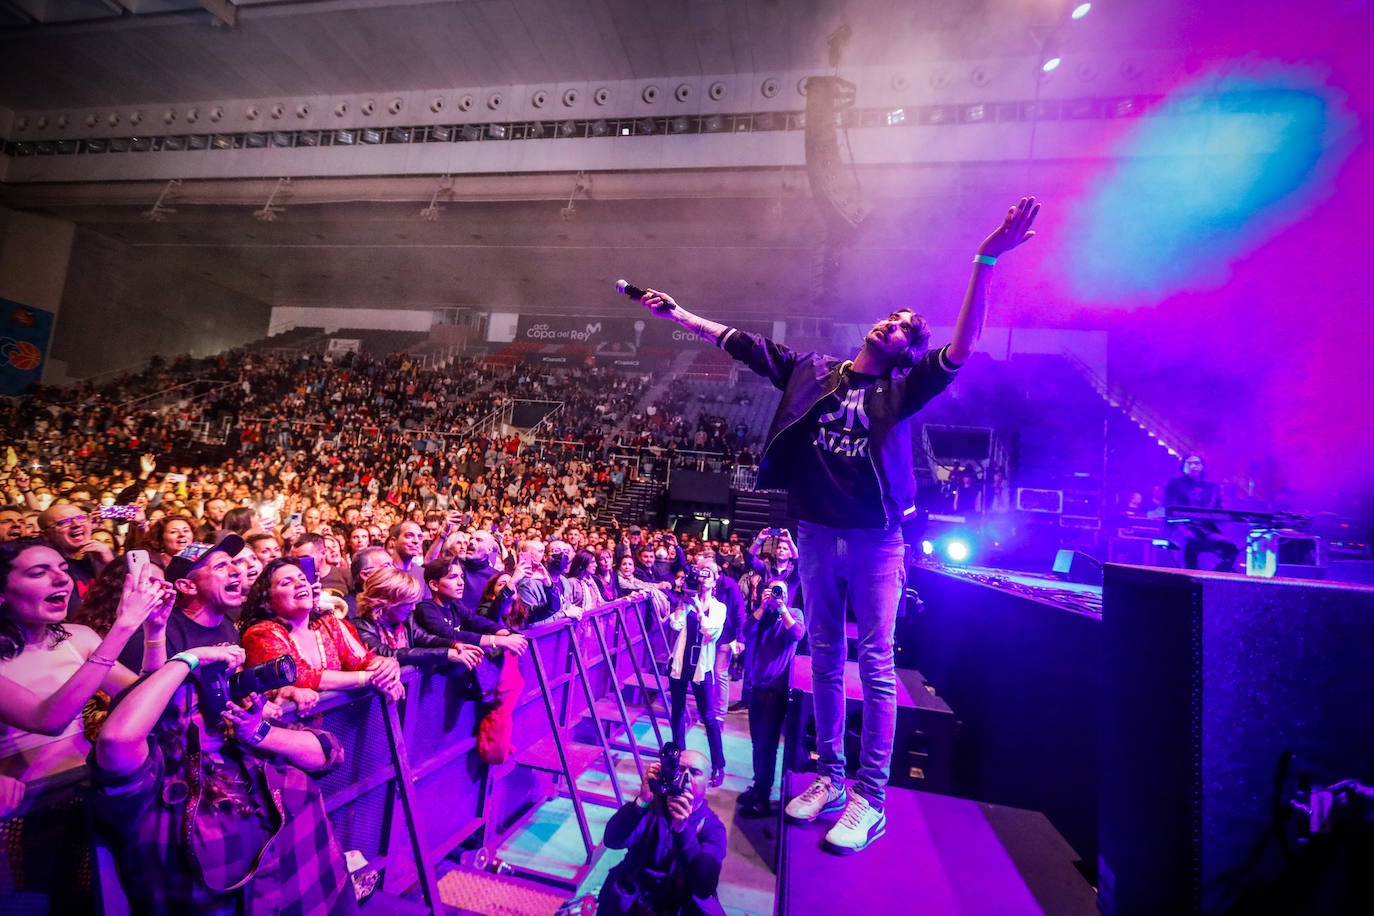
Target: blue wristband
{"type": "Point", "coordinates": [984, 259]}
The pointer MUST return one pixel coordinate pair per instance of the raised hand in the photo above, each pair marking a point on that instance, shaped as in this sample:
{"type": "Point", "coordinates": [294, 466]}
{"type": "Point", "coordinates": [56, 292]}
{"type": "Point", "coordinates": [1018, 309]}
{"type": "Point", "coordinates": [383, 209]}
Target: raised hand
{"type": "Point", "coordinates": [143, 595]}
{"type": "Point", "coordinates": [658, 303]}
{"type": "Point", "coordinates": [1015, 229]}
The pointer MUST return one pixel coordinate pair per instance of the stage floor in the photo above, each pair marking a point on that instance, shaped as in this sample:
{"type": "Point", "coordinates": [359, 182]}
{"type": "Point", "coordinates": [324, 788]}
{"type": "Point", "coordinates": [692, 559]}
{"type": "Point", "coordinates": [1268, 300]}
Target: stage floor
{"type": "Point", "coordinates": [940, 855]}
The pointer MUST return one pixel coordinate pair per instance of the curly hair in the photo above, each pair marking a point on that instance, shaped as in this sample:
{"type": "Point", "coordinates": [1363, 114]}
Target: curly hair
{"type": "Point", "coordinates": [257, 607]}
{"type": "Point", "coordinates": [13, 639]}
{"type": "Point", "coordinates": [157, 531]}
{"type": "Point", "coordinates": [100, 606]}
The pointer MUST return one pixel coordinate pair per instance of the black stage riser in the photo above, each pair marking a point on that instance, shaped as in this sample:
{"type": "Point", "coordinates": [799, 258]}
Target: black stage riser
{"type": "Point", "coordinates": [1022, 676]}
{"type": "Point", "coordinates": [923, 748]}
{"type": "Point", "coordinates": [1211, 680]}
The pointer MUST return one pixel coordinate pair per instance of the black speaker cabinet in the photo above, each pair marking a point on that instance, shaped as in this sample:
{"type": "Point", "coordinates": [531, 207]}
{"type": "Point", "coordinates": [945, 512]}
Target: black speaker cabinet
{"type": "Point", "coordinates": [923, 747]}
{"type": "Point", "coordinates": [1211, 682]}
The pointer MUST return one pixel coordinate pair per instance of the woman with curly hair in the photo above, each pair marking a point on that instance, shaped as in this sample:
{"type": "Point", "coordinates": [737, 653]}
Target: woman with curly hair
{"type": "Point", "coordinates": [282, 617]}
{"type": "Point", "coordinates": [49, 668]}
{"type": "Point", "coordinates": [168, 536]}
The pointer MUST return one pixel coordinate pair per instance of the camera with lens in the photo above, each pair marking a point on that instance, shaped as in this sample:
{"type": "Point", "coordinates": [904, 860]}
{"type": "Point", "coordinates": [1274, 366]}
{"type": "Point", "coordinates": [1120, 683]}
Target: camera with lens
{"type": "Point", "coordinates": [778, 592]}
{"type": "Point", "coordinates": [217, 688]}
{"type": "Point", "coordinates": [691, 580]}
{"type": "Point", "coordinates": [671, 780]}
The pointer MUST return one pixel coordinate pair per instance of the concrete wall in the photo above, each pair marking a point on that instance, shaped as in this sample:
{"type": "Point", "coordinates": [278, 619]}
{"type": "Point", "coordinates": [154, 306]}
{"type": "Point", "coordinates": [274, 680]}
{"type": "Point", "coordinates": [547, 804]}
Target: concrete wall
{"type": "Point", "coordinates": [34, 255]}
{"type": "Point", "coordinates": [121, 306]}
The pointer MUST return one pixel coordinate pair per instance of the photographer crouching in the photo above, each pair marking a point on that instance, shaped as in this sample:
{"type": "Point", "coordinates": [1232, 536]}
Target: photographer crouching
{"type": "Point", "coordinates": [675, 844]}
{"type": "Point", "coordinates": [208, 806]}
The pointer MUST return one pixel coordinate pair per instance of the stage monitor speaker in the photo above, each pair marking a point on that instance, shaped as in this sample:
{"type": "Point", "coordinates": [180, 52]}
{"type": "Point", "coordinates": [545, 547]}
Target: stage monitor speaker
{"type": "Point", "coordinates": [924, 745]}
{"type": "Point", "coordinates": [1210, 682]}
{"type": "Point", "coordinates": [1077, 567]}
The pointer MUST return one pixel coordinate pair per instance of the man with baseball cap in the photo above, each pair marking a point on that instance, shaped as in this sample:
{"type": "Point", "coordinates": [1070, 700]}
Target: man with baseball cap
{"type": "Point", "coordinates": [209, 583]}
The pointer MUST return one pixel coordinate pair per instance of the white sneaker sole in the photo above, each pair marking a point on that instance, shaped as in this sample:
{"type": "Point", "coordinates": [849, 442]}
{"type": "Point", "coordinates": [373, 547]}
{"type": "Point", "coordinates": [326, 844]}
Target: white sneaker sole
{"type": "Point", "coordinates": [850, 850]}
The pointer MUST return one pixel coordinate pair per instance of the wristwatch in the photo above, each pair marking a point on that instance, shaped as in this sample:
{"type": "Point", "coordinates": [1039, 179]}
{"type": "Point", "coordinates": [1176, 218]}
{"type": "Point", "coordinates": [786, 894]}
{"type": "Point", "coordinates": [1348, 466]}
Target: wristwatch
{"type": "Point", "coordinates": [259, 733]}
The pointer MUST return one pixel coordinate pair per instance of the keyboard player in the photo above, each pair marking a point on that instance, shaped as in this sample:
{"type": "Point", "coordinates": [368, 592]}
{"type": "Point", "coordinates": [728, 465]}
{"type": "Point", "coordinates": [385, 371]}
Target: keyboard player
{"type": "Point", "coordinates": [1191, 488]}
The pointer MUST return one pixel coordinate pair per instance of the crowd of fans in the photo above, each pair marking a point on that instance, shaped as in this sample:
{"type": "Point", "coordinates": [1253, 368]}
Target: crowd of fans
{"type": "Point", "coordinates": [356, 518]}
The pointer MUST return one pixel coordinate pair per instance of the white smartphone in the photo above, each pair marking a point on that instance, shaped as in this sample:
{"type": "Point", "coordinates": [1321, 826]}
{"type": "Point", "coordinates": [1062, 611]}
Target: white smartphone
{"type": "Point", "coordinates": [137, 560]}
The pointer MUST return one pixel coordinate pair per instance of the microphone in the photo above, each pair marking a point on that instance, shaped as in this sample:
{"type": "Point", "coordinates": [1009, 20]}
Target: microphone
{"type": "Point", "coordinates": [629, 289]}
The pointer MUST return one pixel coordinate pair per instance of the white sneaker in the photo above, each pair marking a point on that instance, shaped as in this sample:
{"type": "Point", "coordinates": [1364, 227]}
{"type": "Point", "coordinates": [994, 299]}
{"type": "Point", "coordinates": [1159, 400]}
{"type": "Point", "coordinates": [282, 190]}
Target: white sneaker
{"type": "Point", "coordinates": [858, 826]}
{"type": "Point", "coordinates": [821, 797]}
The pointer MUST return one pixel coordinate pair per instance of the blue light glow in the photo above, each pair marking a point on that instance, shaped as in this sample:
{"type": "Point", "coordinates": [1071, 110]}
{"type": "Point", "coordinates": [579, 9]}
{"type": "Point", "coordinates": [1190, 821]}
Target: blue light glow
{"type": "Point", "coordinates": [927, 547]}
{"type": "Point", "coordinates": [958, 551]}
{"type": "Point", "coordinates": [1216, 169]}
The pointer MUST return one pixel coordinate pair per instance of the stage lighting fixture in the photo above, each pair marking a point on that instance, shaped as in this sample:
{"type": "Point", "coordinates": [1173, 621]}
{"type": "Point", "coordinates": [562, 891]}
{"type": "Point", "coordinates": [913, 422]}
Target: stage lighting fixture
{"type": "Point", "coordinates": [957, 550]}
{"type": "Point", "coordinates": [766, 121]}
{"type": "Point", "coordinates": [308, 138]}
{"type": "Point", "coordinates": [119, 145]}
{"type": "Point", "coordinates": [223, 141]}
{"type": "Point", "coordinates": [399, 135]}
{"type": "Point", "coordinates": [496, 131]}
{"type": "Point", "coordinates": [679, 125]}
{"type": "Point", "coordinates": [1080, 10]}
{"type": "Point", "coordinates": [927, 548]}
{"type": "Point", "coordinates": [896, 116]}
{"type": "Point", "coordinates": [197, 141]}
{"type": "Point", "coordinates": [646, 126]}
{"type": "Point", "coordinates": [598, 128]}
{"type": "Point", "coordinates": [256, 141]}
{"type": "Point", "coordinates": [281, 138]}
{"type": "Point", "coordinates": [566, 128]}
{"type": "Point", "coordinates": [96, 146]}
{"type": "Point", "coordinates": [470, 132]}
{"type": "Point", "coordinates": [440, 134]}
{"type": "Point", "coordinates": [345, 137]}
{"type": "Point", "coordinates": [69, 147]}
{"type": "Point", "coordinates": [713, 124]}
{"type": "Point", "coordinates": [1052, 64]}
{"type": "Point", "coordinates": [372, 135]}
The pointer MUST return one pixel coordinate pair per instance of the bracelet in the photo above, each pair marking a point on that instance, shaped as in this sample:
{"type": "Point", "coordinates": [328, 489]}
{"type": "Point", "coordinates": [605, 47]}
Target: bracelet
{"type": "Point", "coordinates": [984, 259]}
{"type": "Point", "coordinates": [96, 658]}
{"type": "Point", "coordinates": [154, 642]}
{"type": "Point", "coordinates": [186, 658]}
{"type": "Point", "coordinates": [259, 733]}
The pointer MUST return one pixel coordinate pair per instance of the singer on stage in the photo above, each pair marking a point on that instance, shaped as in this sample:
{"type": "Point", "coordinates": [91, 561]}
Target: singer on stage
{"type": "Point", "coordinates": [841, 444]}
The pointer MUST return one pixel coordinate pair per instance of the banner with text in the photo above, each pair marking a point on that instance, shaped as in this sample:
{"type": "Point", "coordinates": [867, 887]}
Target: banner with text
{"type": "Point", "coordinates": [622, 338]}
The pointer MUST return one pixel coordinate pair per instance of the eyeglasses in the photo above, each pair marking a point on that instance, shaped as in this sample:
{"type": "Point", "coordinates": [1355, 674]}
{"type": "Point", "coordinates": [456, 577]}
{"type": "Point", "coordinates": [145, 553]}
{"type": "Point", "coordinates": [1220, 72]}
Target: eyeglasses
{"type": "Point", "coordinates": [67, 522]}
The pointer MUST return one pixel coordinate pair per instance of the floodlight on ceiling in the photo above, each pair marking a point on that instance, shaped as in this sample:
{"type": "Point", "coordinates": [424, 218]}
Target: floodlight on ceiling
{"type": "Point", "coordinates": [646, 126]}
{"type": "Point", "coordinates": [281, 138]}
{"type": "Point", "coordinates": [470, 132]}
{"type": "Point", "coordinates": [256, 141]}
{"type": "Point", "coordinates": [598, 128]}
{"type": "Point", "coordinates": [496, 131]}
{"type": "Point", "coordinates": [566, 128]}
{"type": "Point", "coordinates": [1052, 63]}
{"type": "Point", "coordinates": [679, 125]}
{"type": "Point", "coordinates": [440, 134]}
{"type": "Point", "coordinates": [1080, 10]}
{"type": "Point", "coordinates": [534, 130]}
{"type": "Point", "coordinates": [372, 135]}
{"type": "Point", "coordinates": [197, 141]}
{"type": "Point", "coordinates": [713, 124]}
{"type": "Point", "coordinates": [308, 138]}
{"type": "Point", "coordinates": [345, 137]}
{"type": "Point", "coordinates": [399, 135]}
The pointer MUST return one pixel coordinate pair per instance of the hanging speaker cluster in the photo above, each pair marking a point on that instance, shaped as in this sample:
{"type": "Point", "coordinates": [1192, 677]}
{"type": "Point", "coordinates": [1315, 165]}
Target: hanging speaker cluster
{"type": "Point", "coordinates": [833, 186]}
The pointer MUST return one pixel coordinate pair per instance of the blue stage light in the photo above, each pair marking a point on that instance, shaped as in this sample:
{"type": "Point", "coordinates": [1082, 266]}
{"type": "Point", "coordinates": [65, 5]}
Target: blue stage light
{"type": "Point", "coordinates": [927, 547]}
{"type": "Point", "coordinates": [958, 551]}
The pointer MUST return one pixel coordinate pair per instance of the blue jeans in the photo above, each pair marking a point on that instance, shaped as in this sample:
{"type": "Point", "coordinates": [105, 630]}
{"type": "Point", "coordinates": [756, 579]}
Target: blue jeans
{"type": "Point", "coordinates": [866, 567]}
